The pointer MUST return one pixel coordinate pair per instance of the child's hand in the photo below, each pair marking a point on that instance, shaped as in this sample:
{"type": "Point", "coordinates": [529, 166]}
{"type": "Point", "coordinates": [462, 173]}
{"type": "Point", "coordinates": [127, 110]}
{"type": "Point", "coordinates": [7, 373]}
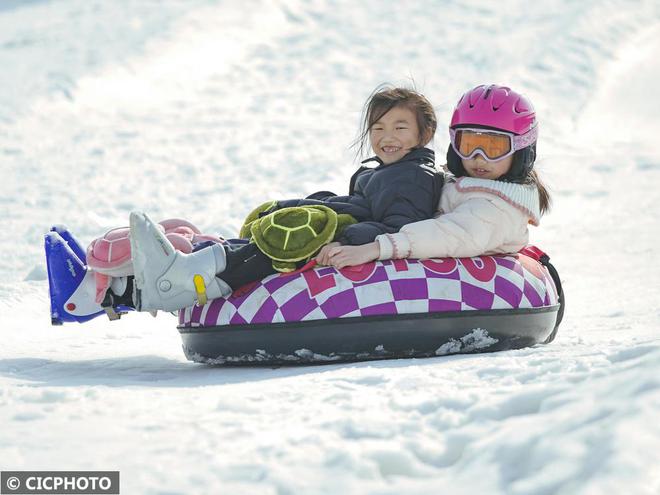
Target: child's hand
{"type": "Point", "coordinates": [322, 257]}
{"type": "Point", "coordinates": [342, 256]}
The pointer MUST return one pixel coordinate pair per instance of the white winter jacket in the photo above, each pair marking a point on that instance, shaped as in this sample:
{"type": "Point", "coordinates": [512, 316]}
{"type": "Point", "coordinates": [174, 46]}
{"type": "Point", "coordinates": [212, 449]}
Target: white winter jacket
{"type": "Point", "coordinates": [476, 216]}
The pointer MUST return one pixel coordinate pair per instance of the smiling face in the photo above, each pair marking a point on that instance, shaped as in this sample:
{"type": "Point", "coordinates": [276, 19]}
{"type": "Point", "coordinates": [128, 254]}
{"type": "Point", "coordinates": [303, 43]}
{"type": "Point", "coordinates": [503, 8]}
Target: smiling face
{"type": "Point", "coordinates": [480, 168]}
{"type": "Point", "coordinates": [394, 134]}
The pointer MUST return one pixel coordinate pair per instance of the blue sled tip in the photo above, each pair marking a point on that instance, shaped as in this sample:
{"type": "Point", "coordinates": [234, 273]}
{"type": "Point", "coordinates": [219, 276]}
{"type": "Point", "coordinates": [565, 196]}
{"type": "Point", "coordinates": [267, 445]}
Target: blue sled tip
{"type": "Point", "coordinates": [71, 285]}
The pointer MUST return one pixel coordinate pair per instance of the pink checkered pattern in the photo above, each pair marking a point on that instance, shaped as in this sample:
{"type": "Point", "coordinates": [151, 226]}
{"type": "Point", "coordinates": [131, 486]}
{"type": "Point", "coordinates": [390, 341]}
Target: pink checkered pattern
{"type": "Point", "coordinates": [383, 288]}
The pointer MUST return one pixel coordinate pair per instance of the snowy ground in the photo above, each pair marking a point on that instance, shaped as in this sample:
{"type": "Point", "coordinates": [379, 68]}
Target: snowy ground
{"type": "Point", "coordinates": [203, 109]}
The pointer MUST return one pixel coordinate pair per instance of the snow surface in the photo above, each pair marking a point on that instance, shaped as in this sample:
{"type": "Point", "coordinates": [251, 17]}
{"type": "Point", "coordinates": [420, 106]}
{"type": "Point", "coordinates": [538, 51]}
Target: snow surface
{"type": "Point", "coordinates": [203, 109]}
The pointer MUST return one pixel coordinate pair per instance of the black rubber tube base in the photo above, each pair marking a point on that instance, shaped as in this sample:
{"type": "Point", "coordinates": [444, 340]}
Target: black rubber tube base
{"type": "Point", "coordinates": [369, 338]}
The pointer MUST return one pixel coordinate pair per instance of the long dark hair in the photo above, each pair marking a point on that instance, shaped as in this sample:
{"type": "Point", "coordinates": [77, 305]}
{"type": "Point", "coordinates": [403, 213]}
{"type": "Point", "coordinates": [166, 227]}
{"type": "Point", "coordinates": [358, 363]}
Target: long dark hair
{"type": "Point", "coordinates": [383, 99]}
{"type": "Point", "coordinates": [521, 172]}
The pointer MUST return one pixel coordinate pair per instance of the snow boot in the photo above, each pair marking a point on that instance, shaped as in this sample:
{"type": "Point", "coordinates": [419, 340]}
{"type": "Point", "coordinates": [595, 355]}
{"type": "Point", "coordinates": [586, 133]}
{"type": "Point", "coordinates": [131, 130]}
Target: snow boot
{"type": "Point", "coordinates": [167, 279]}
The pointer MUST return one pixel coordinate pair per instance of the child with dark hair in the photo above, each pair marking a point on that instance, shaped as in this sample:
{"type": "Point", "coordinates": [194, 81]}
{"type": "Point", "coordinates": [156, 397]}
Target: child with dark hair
{"type": "Point", "coordinates": [404, 187]}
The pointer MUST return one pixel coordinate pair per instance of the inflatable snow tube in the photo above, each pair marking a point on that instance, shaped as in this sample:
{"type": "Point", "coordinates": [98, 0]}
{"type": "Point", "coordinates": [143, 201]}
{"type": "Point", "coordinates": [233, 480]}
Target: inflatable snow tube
{"type": "Point", "coordinates": [380, 310]}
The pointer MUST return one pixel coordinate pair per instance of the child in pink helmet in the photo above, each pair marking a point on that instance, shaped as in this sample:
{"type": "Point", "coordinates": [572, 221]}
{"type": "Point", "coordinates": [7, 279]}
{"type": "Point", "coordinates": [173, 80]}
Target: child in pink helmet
{"type": "Point", "coordinates": [492, 196]}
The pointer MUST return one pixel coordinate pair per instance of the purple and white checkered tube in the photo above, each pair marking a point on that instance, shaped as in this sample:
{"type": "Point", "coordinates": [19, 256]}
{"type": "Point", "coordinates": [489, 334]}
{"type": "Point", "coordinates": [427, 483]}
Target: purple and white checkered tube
{"type": "Point", "coordinates": [383, 288]}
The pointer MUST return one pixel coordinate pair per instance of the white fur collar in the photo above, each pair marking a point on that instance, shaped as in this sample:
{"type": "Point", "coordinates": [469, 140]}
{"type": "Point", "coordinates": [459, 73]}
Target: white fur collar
{"type": "Point", "coordinates": [525, 197]}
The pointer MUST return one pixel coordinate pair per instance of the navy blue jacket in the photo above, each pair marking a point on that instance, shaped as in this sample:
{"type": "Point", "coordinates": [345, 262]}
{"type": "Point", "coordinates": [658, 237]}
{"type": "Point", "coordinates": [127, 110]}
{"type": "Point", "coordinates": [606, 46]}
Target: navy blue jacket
{"type": "Point", "coordinates": [385, 198]}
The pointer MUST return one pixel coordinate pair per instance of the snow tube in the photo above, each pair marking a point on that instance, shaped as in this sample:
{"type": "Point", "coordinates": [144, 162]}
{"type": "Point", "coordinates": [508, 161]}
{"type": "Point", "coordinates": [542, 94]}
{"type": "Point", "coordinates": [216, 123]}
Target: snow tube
{"type": "Point", "coordinates": [381, 310]}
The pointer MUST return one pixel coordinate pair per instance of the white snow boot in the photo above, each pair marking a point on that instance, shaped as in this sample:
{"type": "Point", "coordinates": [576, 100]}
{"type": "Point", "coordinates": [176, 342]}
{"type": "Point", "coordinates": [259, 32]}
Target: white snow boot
{"type": "Point", "coordinates": [168, 279]}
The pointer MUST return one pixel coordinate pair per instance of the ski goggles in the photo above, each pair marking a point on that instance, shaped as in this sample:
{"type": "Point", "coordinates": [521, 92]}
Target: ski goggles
{"type": "Point", "coordinates": [492, 145]}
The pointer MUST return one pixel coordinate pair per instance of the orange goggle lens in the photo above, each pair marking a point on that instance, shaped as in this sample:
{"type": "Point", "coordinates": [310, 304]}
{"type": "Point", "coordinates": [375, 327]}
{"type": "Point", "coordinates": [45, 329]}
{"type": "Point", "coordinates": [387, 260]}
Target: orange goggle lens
{"type": "Point", "coordinates": [493, 145]}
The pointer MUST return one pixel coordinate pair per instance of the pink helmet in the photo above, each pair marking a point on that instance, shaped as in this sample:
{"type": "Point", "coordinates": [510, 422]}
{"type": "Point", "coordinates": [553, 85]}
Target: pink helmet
{"type": "Point", "coordinates": [497, 107]}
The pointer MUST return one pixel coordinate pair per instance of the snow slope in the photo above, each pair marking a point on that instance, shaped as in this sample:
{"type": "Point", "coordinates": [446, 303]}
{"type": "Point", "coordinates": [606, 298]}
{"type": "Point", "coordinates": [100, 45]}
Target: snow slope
{"type": "Point", "coordinates": [203, 109]}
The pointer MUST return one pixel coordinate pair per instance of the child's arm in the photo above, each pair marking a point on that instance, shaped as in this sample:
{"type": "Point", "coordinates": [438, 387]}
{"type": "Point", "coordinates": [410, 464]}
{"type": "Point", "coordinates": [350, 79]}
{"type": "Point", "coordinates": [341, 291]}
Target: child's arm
{"type": "Point", "coordinates": [473, 228]}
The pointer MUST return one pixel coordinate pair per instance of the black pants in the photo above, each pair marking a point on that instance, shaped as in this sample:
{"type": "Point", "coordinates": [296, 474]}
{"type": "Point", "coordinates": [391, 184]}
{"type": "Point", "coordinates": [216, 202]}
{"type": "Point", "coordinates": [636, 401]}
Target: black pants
{"type": "Point", "coordinates": [245, 264]}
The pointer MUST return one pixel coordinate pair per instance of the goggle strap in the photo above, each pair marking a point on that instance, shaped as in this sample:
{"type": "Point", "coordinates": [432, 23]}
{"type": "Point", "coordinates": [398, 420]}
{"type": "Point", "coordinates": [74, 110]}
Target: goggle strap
{"type": "Point", "coordinates": [527, 139]}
